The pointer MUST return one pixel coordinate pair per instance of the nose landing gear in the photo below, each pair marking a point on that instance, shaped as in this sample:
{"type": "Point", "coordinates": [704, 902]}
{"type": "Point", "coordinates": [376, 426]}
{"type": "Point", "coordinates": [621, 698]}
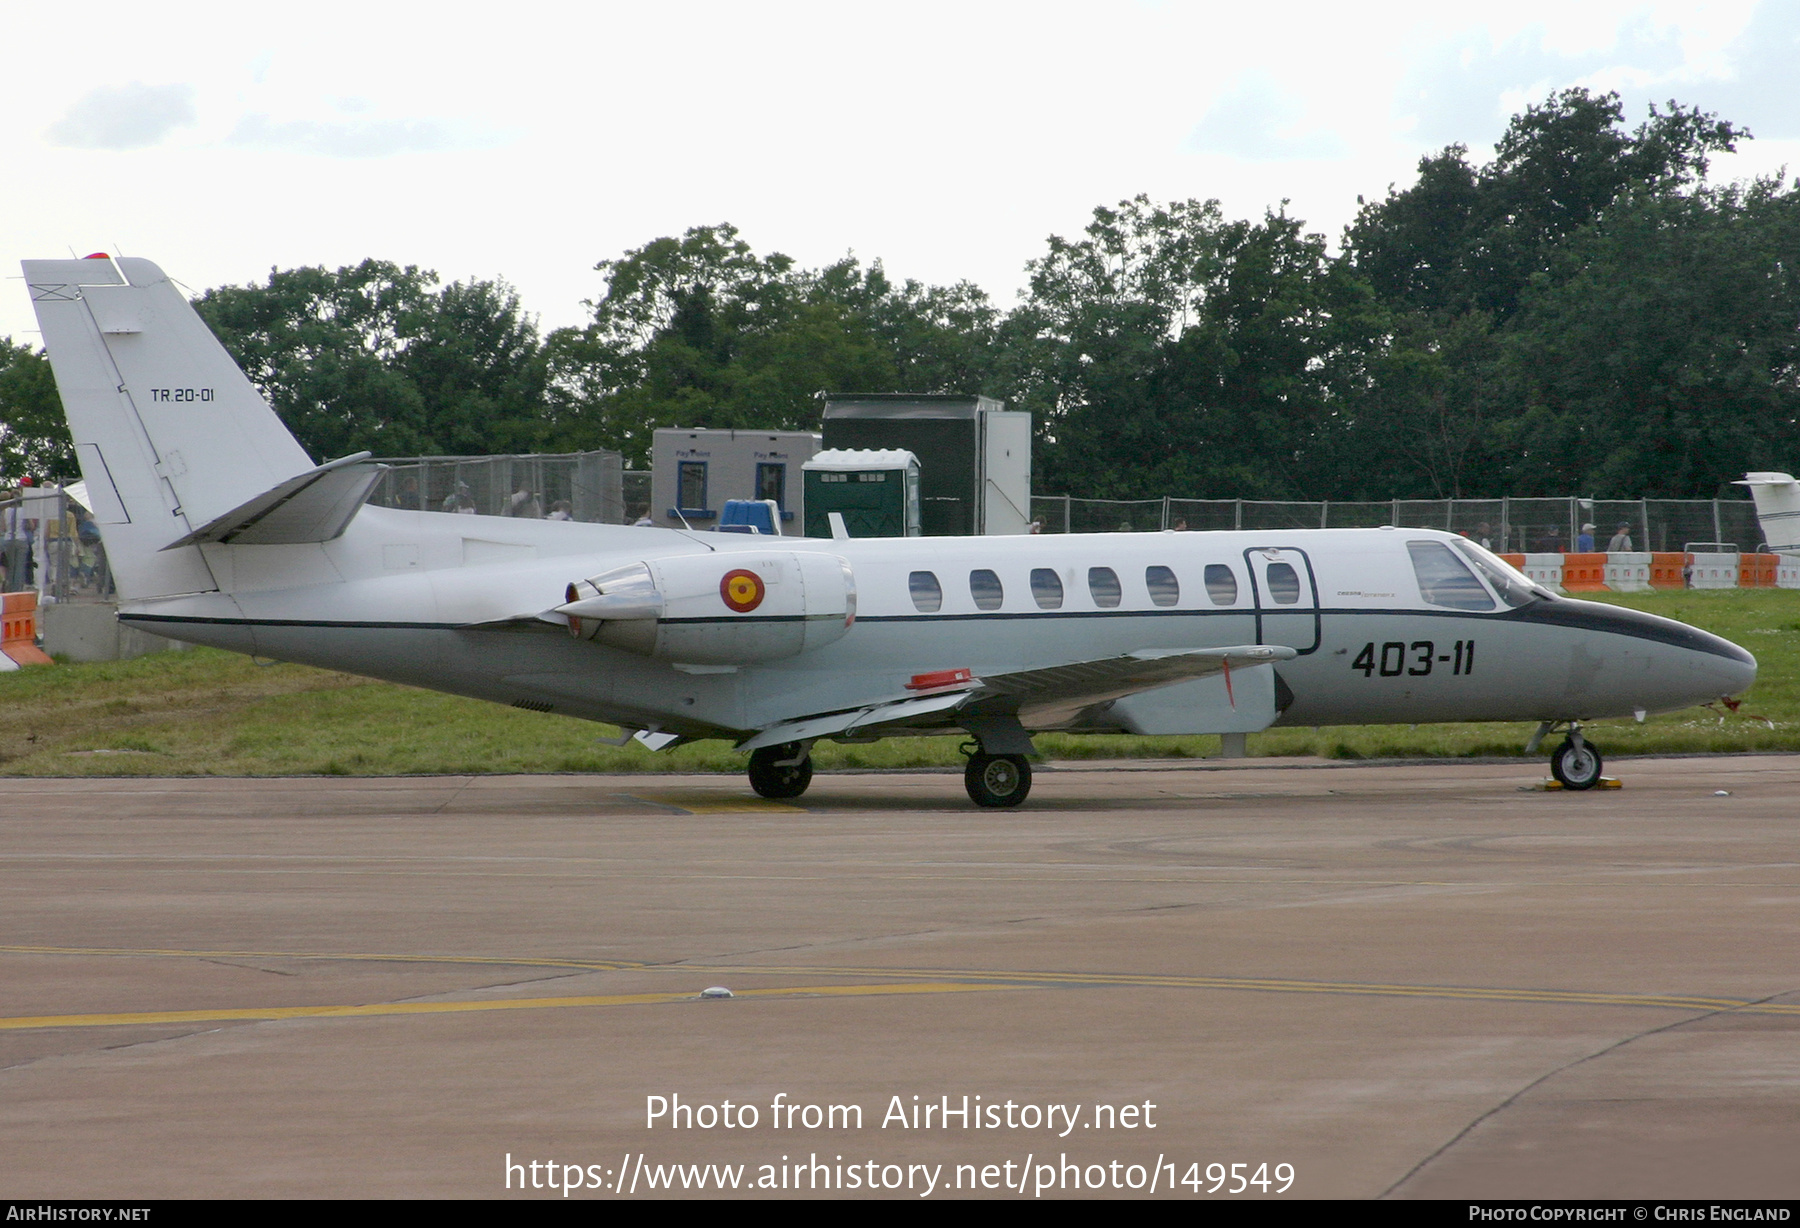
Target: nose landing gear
{"type": "Point", "coordinates": [1576, 764]}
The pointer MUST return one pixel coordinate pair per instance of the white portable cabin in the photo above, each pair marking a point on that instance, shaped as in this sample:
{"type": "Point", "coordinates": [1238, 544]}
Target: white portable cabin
{"type": "Point", "coordinates": [695, 471]}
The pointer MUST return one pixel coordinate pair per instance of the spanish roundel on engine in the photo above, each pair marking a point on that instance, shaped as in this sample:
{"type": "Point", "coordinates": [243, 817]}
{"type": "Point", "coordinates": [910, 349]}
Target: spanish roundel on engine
{"type": "Point", "coordinates": [741, 590]}
{"type": "Point", "coordinates": [786, 602]}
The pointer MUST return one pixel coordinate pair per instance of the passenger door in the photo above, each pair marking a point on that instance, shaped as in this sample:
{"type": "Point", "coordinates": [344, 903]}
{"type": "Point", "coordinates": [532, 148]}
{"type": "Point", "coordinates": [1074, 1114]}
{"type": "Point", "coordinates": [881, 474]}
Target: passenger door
{"type": "Point", "coordinates": [1287, 597]}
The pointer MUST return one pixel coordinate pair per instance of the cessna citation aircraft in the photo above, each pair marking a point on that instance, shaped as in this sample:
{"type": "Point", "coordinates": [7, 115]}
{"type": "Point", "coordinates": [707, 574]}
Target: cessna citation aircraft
{"type": "Point", "coordinates": [221, 530]}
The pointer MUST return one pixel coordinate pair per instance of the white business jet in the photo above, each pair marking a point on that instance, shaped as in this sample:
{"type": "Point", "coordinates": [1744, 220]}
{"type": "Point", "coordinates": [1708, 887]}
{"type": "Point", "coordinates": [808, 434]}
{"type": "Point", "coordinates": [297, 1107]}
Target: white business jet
{"type": "Point", "coordinates": [221, 530]}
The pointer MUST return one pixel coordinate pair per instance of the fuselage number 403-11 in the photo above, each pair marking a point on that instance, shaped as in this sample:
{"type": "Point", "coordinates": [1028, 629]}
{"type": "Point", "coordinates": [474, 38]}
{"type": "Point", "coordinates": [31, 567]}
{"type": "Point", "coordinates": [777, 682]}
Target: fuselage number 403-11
{"type": "Point", "coordinates": [1417, 659]}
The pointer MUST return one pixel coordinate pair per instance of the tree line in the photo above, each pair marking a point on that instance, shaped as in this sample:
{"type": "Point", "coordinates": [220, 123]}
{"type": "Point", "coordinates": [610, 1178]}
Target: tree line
{"type": "Point", "coordinates": [1582, 312]}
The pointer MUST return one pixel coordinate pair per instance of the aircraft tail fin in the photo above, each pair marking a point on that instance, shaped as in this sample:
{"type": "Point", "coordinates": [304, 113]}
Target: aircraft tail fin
{"type": "Point", "coordinates": [173, 439]}
{"type": "Point", "coordinates": [1777, 498]}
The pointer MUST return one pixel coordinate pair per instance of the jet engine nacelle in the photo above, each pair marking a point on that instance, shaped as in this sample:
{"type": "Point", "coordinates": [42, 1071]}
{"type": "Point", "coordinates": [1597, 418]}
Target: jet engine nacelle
{"type": "Point", "coordinates": [736, 608]}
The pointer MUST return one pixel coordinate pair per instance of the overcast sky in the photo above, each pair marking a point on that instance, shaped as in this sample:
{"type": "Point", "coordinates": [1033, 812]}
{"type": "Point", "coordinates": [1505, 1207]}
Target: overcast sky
{"type": "Point", "coordinates": [529, 141]}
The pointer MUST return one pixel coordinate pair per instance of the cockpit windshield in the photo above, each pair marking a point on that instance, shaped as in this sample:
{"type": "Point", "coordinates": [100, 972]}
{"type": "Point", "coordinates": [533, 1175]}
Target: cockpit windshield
{"type": "Point", "coordinates": [1445, 580]}
{"type": "Point", "coordinates": [1511, 585]}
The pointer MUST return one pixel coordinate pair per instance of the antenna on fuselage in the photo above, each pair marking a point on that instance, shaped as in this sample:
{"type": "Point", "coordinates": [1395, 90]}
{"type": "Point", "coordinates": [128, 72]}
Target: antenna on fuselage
{"type": "Point", "coordinates": [691, 529]}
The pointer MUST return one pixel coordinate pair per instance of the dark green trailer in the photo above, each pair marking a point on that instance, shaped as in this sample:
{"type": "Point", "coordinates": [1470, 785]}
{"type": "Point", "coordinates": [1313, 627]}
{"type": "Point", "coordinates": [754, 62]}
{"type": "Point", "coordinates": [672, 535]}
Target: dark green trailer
{"type": "Point", "coordinates": [974, 455]}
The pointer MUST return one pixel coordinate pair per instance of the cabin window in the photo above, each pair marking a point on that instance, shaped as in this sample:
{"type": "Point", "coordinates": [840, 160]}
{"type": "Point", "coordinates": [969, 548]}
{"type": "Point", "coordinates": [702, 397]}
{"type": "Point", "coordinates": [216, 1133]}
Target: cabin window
{"type": "Point", "coordinates": [1164, 588]}
{"type": "Point", "coordinates": [1046, 588]}
{"type": "Point", "coordinates": [1444, 579]}
{"type": "Point", "coordinates": [927, 594]}
{"type": "Point", "coordinates": [984, 586]}
{"type": "Point", "coordinates": [1284, 583]}
{"type": "Point", "coordinates": [1103, 586]}
{"type": "Point", "coordinates": [1221, 584]}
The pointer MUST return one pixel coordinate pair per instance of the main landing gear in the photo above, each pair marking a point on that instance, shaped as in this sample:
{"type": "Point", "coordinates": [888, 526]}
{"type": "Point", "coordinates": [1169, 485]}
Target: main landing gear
{"type": "Point", "coordinates": [786, 770]}
{"type": "Point", "coordinates": [997, 780]}
{"type": "Point", "coordinates": [781, 771]}
{"type": "Point", "coordinates": [1576, 763]}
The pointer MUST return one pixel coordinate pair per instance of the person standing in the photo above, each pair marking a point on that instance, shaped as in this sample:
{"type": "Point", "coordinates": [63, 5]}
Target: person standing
{"type": "Point", "coordinates": [524, 504]}
{"type": "Point", "coordinates": [1621, 541]}
{"type": "Point", "coordinates": [461, 500]}
{"type": "Point", "coordinates": [1584, 541]}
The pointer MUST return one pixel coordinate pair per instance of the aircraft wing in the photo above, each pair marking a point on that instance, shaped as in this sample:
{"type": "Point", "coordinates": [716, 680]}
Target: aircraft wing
{"type": "Point", "coordinates": [1045, 696]}
{"type": "Point", "coordinates": [894, 713]}
{"type": "Point", "coordinates": [1054, 694]}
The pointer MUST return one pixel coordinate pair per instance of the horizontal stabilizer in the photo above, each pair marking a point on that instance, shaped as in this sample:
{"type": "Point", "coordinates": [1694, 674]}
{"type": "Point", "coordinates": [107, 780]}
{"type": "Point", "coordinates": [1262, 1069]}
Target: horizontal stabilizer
{"type": "Point", "coordinates": [316, 506]}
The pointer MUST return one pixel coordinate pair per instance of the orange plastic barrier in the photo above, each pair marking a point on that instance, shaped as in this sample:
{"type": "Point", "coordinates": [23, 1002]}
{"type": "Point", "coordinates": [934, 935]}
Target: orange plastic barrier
{"type": "Point", "coordinates": [1666, 569]}
{"type": "Point", "coordinates": [1516, 561]}
{"type": "Point", "coordinates": [1757, 570]}
{"type": "Point", "coordinates": [20, 620]}
{"type": "Point", "coordinates": [1584, 572]}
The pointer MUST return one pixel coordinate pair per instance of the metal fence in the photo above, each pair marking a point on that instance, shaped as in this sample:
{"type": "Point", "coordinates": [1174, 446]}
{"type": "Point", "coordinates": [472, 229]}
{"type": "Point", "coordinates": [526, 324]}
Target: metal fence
{"type": "Point", "coordinates": [585, 486]}
{"type": "Point", "coordinates": [637, 494]}
{"type": "Point", "coordinates": [50, 543]}
{"type": "Point", "coordinates": [1507, 525]}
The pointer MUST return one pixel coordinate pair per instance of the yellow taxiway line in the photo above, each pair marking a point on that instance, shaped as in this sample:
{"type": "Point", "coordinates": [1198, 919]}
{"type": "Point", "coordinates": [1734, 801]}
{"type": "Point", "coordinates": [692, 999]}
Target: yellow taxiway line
{"type": "Point", "coordinates": [1276, 985]}
{"type": "Point", "coordinates": [521, 961]}
{"type": "Point", "coordinates": [888, 981]}
{"type": "Point", "coordinates": [366, 1010]}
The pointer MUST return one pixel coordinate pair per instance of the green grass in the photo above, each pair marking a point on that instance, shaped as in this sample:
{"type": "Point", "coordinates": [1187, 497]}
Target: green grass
{"type": "Point", "coordinates": [211, 713]}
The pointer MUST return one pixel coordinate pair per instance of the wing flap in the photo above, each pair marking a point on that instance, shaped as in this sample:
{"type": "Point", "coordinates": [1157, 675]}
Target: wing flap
{"type": "Point", "coordinates": [1055, 694]}
{"type": "Point", "coordinates": [897, 712]}
{"type": "Point", "coordinates": [1050, 696]}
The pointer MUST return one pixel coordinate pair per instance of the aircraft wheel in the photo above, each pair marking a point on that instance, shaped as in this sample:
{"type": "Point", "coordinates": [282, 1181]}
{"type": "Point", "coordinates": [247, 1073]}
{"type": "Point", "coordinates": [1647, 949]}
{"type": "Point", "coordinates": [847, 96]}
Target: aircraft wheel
{"type": "Point", "coordinates": [1576, 767]}
{"type": "Point", "coordinates": [997, 780]}
{"type": "Point", "coordinates": [770, 778]}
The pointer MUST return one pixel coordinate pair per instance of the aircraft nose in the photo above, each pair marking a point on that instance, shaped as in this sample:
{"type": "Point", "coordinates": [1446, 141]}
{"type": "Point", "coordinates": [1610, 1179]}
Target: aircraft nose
{"type": "Point", "coordinates": [1726, 668]}
{"type": "Point", "coordinates": [1709, 665]}
{"type": "Point", "coordinates": [1736, 672]}
{"type": "Point", "coordinates": [1678, 664]}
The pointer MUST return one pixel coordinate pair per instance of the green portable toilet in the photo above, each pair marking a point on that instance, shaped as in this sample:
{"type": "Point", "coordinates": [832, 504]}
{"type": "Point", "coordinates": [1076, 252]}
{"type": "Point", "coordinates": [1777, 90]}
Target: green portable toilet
{"type": "Point", "coordinates": [875, 490]}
